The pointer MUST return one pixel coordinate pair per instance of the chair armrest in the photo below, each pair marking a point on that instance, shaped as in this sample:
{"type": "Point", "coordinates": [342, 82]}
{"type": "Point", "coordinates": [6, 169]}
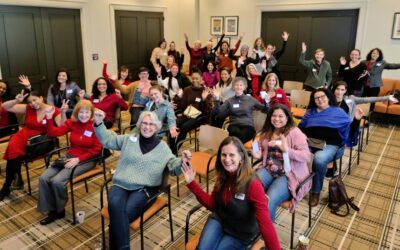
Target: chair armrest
{"type": "Point", "coordinates": [309, 178]}
{"type": "Point", "coordinates": [94, 159]}
{"type": "Point", "coordinates": [51, 153]}
{"type": "Point", "coordinates": [192, 211]}
{"type": "Point", "coordinates": [104, 185]}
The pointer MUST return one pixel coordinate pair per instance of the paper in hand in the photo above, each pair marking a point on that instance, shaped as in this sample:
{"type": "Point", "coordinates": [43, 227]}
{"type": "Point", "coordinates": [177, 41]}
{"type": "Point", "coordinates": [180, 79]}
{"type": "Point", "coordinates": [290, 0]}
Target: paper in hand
{"type": "Point", "coordinates": [256, 147]}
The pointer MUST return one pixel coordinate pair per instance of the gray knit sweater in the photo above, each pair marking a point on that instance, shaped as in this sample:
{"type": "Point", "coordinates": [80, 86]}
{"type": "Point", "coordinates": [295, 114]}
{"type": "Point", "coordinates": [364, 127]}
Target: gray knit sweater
{"type": "Point", "coordinates": [136, 170]}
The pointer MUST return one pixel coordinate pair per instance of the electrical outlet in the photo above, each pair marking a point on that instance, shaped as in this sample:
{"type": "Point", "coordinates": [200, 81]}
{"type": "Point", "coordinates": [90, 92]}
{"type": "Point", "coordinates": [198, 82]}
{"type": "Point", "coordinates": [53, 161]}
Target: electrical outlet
{"type": "Point", "coordinates": [95, 57]}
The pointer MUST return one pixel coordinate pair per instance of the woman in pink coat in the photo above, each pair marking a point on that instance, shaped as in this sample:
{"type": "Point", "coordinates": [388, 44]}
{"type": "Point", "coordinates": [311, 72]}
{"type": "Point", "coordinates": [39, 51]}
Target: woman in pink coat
{"type": "Point", "coordinates": [285, 154]}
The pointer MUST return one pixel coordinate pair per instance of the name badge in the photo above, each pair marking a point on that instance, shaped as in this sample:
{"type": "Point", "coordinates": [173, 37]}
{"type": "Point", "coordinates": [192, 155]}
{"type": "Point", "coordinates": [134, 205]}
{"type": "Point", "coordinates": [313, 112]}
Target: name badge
{"type": "Point", "coordinates": [348, 101]}
{"type": "Point", "coordinates": [44, 122]}
{"type": "Point", "coordinates": [88, 133]}
{"type": "Point", "coordinates": [197, 99]}
{"type": "Point", "coordinates": [96, 100]}
{"type": "Point", "coordinates": [236, 105]}
{"type": "Point", "coordinates": [347, 68]}
{"type": "Point", "coordinates": [378, 64]}
{"type": "Point", "coordinates": [240, 196]}
{"type": "Point", "coordinates": [279, 95]}
{"type": "Point", "coordinates": [69, 91]}
{"type": "Point", "coordinates": [314, 70]}
{"type": "Point", "coordinates": [132, 138]}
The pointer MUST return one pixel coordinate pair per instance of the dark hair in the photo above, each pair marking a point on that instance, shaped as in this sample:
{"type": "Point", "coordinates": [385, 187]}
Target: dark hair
{"type": "Point", "coordinates": [55, 90]}
{"type": "Point", "coordinates": [262, 43]}
{"type": "Point", "coordinates": [213, 64]}
{"type": "Point", "coordinates": [124, 68]}
{"type": "Point", "coordinates": [268, 129]}
{"type": "Point", "coordinates": [35, 93]}
{"type": "Point", "coordinates": [221, 83]}
{"type": "Point", "coordinates": [328, 93]}
{"type": "Point", "coordinates": [380, 58]}
{"type": "Point", "coordinates": [337, 84]}
{"type": "Point", "coordinates": [143, 69]}
{"type": "Point", "coordinates": [96, 92]}
{"type": "Point", "coordinates": [196, 70]}
{"type": "Point", "coordinates": [161, 42]}
{"type": "Point", "coordinates": [244, 172]}
{"type": "Point", "coordinates": [7, 94]}
{"type": "Point", "coordinates": [220, 47]}
{"type": "Point", "coordinates": [170, 75]}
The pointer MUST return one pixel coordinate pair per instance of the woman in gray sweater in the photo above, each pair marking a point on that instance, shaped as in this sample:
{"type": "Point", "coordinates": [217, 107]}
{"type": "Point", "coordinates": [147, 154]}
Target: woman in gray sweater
{"type": "Point", "coordinates": [138, 174]}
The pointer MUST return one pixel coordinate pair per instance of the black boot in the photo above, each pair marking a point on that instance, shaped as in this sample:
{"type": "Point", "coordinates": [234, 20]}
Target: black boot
{"type": "Point", "coordinates": [18, 183]}
{"type": "Point", "coordinates": [10, 174]}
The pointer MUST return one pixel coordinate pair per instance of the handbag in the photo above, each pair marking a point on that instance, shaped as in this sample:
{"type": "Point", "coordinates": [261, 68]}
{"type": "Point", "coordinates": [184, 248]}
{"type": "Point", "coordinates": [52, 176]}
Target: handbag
{"type": "Point", "coordinates": [316, 143]}
{"type": "Point", "coordinates": [191, 112]}
{"type": "Point", "coordinates": [39, 145]}
{"type": "Point", "coordinates": [338, 197]}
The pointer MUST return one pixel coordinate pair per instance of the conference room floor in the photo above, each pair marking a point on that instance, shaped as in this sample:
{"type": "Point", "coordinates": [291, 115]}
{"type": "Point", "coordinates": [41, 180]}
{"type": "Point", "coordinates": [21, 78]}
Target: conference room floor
{"type": "Point", "coordinates": [374, 183]}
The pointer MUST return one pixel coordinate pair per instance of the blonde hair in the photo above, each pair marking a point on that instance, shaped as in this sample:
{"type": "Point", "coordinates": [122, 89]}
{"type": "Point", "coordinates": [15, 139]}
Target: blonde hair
{"type": "Point", "coordinates": [82, 104]}
{"type": "Point", "coordinates": [265, 83]}
{"type": "Point", "coordinates": [319, 50]}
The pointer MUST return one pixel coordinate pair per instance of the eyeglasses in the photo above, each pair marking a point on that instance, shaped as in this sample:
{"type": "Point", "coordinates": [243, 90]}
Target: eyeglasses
{"type": "Point", "coordinates": [319, 97]}
{"type": "Point", "coordinates": [148, 124]}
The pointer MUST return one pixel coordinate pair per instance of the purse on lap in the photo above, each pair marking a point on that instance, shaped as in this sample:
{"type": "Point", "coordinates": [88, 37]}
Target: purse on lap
{"type": "Point", "coordinates": [316, 143]}
{"type": "Point", "coordinates": [191, 112]}
{"type": "Point", "coordinates": [39, 145]}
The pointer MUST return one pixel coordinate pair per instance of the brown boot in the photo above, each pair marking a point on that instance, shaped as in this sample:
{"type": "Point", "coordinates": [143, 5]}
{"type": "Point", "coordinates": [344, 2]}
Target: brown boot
{"type": "Point", "coordinates": [314, 199]}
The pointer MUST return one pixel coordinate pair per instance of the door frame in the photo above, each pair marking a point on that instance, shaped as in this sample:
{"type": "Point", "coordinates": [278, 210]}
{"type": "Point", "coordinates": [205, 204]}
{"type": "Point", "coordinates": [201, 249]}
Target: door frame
{"type": "Point", "coordinates": [317, 6]}
{"type": "Point", "coordinates": [142, 8]}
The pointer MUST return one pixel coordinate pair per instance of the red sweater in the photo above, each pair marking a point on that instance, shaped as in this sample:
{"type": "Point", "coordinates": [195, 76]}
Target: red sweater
{"type": "Point", "coordinates": [107, 76]}
{"type": "Point", "coordinates": [83, 140]}
{"type": "Point", "coordinates": [109, 105]}
{"type": "Point", "coordinates": [279, 98]}
{"type": "Point", "coordinates": [256, 196]}
{"type": "Point", "coordinates": [195, 57]}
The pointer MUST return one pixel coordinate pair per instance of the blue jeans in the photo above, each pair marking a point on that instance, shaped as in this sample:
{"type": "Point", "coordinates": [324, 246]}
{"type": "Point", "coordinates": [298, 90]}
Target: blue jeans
{"type": "Point", "coordinates": [277, 190]}
{"type": "Point", "coordinates": [213, 238]}
{"type": "Point", "coordinates": [124, 206]}
{"type": "Point", "coordinates": [320, 164]}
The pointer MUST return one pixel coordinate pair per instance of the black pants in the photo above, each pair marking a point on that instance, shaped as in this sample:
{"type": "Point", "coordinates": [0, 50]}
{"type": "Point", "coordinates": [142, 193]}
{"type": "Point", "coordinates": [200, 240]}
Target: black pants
{"type": "Point", "coordinates": [13, 167]}
{"type": "Point", "coordinates": [135, 113]}
{"type": "Point", "coordinates": [244, 133]}
{"type": "Point", "coordinates": [371, 92]}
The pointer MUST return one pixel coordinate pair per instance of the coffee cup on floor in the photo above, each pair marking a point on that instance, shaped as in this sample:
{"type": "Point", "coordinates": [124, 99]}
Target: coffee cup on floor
{"type": "Point", "coordinates": [80, 217]}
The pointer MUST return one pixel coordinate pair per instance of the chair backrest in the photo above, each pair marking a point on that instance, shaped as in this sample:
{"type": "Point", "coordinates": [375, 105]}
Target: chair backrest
{"type": "Point", "coordinates": [259, 120]}
{"type": "Point", "coordinates": [365, 108]}
{"type": "Point", "coordinates": [210, 137]}
{"type": "Point", "coordinates": [299, 98]}
{"type": "Point", "coordinates": [387, 86]}
{"type": "Point", "coordinates": [289, 85]}
{"type": "Point", "coordinates": [165, 178]}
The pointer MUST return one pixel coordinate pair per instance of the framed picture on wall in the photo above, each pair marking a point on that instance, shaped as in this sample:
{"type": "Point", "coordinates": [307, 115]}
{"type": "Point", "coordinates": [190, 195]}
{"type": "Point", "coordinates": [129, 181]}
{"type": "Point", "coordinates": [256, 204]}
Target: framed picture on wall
{"type": "Point", "coordinates": [217, 25]}
{"type": "Point", "coordinates": [231, 25]}
{"type": "Point", "coordinates": [396, 26]}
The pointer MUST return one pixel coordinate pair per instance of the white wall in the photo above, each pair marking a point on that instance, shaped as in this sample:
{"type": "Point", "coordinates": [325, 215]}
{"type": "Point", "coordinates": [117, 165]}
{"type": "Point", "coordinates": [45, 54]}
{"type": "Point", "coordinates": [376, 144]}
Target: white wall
{"type": "Point", "coordinates": [193, 17]}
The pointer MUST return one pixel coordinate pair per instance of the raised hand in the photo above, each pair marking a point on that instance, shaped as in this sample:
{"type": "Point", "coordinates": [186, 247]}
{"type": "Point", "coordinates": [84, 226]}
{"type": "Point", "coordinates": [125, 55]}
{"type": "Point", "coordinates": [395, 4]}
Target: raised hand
{"type": "Point", "coordinates": [64, 106]}
{"type": "Point", "coordinates": [20, 97]}
{"type": "Point", "coordinates": [216, 92]}
{"type": "Point", "coordinates": [188, 171]}
{"type": "Point", "coordinates": [359, 113]}
{"type": "Point", "coordinates": [264, 65]}
{"type": "Point", "coordinates": [23, 79]}
{"type": "Point", "coordinates": [157, 68]}
{"type": "Point", "coordinates": [113, 77]}
{"type": "Point", "coordinates": [118, 93]}
{"type": "Point", "coordinates": [81, 94]}
{"type": "Point", "coordinates": [173, 132]}
{"type": "Point", "coordinates": [303, 47]}
{"type": "Point", "coordinates": [285, 36]}
{"type": "Point", "coordinates": [104, 61]}
{"type": "Point", "coordinates": [186, 37]}
{"type": "Point", "coordinates": [233, 73]}
{"type": "Point", "coordinates": [241, 35]}
{"type": "Point", "coordinates": [71, 162]}
{"type": "Point", "coordinates": [342, 60]}
{"type": "Point", "coordinates": [205, 93]}
{"type": "Point", "coordinates": [179, 93]}
{"type": "Point", "coordinates": [99, 116]}
{"type": "Point", "coordinates": [49, 111]}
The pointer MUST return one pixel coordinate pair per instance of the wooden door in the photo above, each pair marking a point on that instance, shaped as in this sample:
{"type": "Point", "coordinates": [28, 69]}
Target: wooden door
{"type": "Point", "coordinates": [137, 34]}
{"type": "Point", "coordinates": [334, 31]}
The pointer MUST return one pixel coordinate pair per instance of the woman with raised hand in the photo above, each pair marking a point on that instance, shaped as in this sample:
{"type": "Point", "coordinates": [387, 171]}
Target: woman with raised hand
{"type": "Point", "coordinates": [328, 127]}
{"type": "Point", "coordinates": [225, 55]}
{"type": "Point", "coordinates": [238, 204]}
{"type": "Point", "coordinates": [106, 98]}
{"type": "Point", "coordinates": [159, 53]}
{"type": "Point", "coordinates": [195, 53]}
{"type": "Point", "coordinates": [319, 71]}
{"type": "Point", "coordinates": [352, 72]}
{"type": "Point", "coordinates": [138, 174]}
{"type": "Point", "coordinates": [53, 194]}
{"type": "Point", "coordinates": [124, 75]}
{"type": "Point", "coordinates": [272, 57]}
{"type": "Point", "coordinates": [35, 124]}
{"type": "Point", "coordinates": [285, 155]}
{"type": "Point", "coordinates": [243, 60]}
{"type": "Point", "coordinates": [179, 56]}
{"type": "Point", "coordinates": [64, 89]}
{"type": "Point", "coordinates": [211, 76]}
{"type": "Point", "coordinates": [7, 119]}
{"type": "Point", "coordinates": [271, 89]}
{"type": "Point", "coordinates": [164, 111]}
{"type": "Point", "coordinates": [209, 55]}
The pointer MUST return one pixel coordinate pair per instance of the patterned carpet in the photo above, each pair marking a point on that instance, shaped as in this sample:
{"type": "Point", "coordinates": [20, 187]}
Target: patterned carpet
{"type": "Point", "coordinates": [374, 183]}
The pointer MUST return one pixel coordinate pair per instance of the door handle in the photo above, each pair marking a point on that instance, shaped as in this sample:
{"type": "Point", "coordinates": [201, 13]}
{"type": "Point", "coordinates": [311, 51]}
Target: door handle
{"type": "Point", "coordinates": [1, 75]}
{"type": "Point", "coordinates": [43, 78]}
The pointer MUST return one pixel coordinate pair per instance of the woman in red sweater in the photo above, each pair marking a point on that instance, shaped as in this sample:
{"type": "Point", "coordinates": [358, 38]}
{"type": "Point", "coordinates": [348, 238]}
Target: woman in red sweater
{"type": "Point", "coordinates": [124, 75]}
{"type": "Point", "coordinates": [84, 145]}
{"type": "Point", "coordinates": [238, 204]}
{"type": "Point", "coordinates": [274, 93]}
{"type": "Point", "coordinates": [106, 98]}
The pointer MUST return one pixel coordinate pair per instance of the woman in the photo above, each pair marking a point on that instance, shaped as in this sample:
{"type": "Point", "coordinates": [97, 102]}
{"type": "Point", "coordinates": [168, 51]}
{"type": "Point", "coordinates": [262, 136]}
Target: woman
{"type": "Point", "coordinates": [164, 111]}
{"type": "Point", "coordinates": [352, 72]}
{"type": "Point", "coordinates": [106, 98]}
{"type": "Point", "coordinates": [138, 174]}
{"type": "Point", "coordinates": [64, 89]}
{"type": "Point", "coordinates": [195, 53]}
{"type": "Point", "coordinates": [328, 124]}
{"type": "Point", "coordinates": [255, 79]}
{"type": "Point", "coordinates": [224, 58]}
{"type": "Point", "coordinates": [179, 56]}
{"type": "Point", "coordinates": [258, 50]}
{"type": "Point", "coordinates": [84, 145]}
{"type": "Point", "coordinates": [35, 124]}
{"type": "Point", "coordinates": [271, 56]}
{"type": "Point", "coordinates": [285, 156]}
{"type": "Point", "coordinates": [123, 74]}
{"type": "Point", "coordinates": [319, 72]}
{"type": "Point", "coordinates": [165, 70]}
{"type": "Point", "coordinates": [196, 96]}
{"type": "Point", "coordinates": [243, 60]}
{"type": "Point", "coordinates": [160, 53]}
{"type": "Point", "coordinates": [7, 119]}
{"type": "Point", "coordinates": [211, 76]}
{"type": "Point", "coordinates": [274, 94]}
{"type": "Point", "coordinates": [240, 111]}
{"type": "Point", "coordinates": [238, 204]}
{"type": "Point", "coordinates": [375, 66]}
{"type": "Point", "coordinates": [170, 83]}
{"type": "Point", "coordinates": [138, 93]}
{"type": "Point", "coordinates": [209, 55]}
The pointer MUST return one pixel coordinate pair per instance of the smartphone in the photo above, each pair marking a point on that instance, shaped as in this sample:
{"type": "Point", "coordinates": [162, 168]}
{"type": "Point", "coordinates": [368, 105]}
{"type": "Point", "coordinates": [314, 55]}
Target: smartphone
{"type": "Point", "coordinates": [256, 147]}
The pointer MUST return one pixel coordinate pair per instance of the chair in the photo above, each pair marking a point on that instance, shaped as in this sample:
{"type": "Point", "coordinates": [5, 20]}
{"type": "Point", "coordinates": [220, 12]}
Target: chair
{"type": "Point", "coordinates": [12, 129]}
{"type": "Point", "coordinates": [117, 128]}
{"type": "Point", "coordinates": [209, 139]}
{"type": "Point", "coordinates": [386, 88]}
{"type": "Point", "coordinates": [97, 170]}
{"type": "Point", "coordinates": [299, 100]}
{"type": "Point", "coordinates": [288, 86]}
{"type": "Point", "coordinates": [394, 108]}
{"type": "Point", "coordinates": [160, 202]}
{"type": "Point", "coordinates": [364, 123]}
{"type": "Point", "coordinates": [52, 143]}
